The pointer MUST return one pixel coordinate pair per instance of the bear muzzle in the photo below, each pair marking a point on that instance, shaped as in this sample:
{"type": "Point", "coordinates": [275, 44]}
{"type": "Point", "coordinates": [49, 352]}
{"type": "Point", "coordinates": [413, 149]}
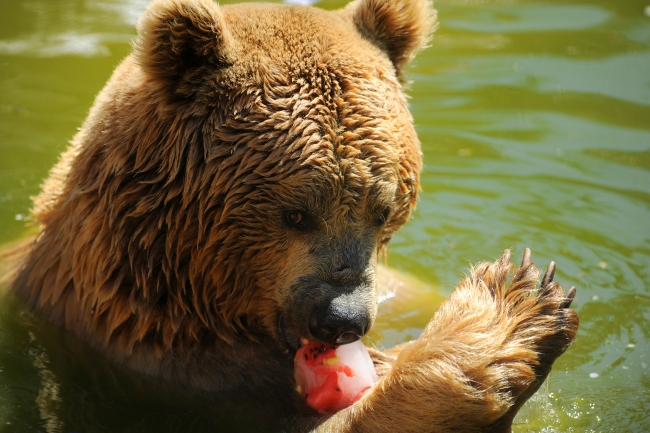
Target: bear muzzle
{"type": "Point", "coordinates": [341, 320]}
{"type": "Point", "coordinates": [327, 313]}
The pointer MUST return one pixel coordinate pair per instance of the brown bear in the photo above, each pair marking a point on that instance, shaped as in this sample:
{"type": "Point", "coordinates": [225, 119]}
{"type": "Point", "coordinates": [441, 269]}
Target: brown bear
{"type": "Point", "coordinates": [229, 195]}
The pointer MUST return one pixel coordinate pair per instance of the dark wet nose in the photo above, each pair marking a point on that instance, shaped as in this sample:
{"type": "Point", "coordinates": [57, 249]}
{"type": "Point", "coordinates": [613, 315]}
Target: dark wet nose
{"type": "Point", "coordinates": [339, 323]}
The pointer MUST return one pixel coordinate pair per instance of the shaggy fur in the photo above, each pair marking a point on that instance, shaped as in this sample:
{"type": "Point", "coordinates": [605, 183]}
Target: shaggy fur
{"type": "Point", "coordinates": [485, 352]}
{"type": "Point", "coordinates": [229, 194]}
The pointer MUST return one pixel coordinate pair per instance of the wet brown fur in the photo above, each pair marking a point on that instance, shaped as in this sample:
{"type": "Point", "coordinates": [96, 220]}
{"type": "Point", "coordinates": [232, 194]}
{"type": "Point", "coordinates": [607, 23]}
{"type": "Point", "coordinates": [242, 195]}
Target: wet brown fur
{"type": "Point", "coordinates": [486, 351]}
{"type": "Point", "coordinates": [164, 242]}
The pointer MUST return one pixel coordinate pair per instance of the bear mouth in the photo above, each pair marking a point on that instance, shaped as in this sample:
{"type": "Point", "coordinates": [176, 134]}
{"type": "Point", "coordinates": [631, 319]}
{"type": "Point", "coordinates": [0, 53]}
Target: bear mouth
{"type": "Point", "coordinates": [288, 338]}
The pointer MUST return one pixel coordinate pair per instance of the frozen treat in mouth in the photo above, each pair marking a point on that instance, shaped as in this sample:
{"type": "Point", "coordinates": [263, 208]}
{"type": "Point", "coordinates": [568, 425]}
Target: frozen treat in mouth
{"type": "Point", "coordinates": [331, 378]}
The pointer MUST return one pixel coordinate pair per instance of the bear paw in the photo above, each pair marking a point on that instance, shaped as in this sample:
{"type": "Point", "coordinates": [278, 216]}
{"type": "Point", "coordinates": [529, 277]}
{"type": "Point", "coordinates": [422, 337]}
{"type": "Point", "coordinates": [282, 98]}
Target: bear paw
{"type": "Point", "coordinates": [487, 350]}
{"type": "Point", "coordinates": [541, 326]}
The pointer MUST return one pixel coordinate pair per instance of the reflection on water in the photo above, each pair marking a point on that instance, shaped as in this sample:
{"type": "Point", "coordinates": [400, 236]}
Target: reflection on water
{"type": "Point", "coordinates": [69, 27]}
{"type": "Point", "coordinates": [48, 399]}
{"type": "Point", "coordinates": [528, 18]}
{"type": "Point", "coordinates": [534, 121]}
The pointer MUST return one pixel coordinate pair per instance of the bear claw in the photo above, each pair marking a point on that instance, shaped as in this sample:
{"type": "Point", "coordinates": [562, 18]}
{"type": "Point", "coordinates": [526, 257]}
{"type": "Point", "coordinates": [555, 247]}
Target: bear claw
{"type": "Point", "coordinates": [569, 297]}
{"type": "Point", "coordinates": [548, 276]}
{"type": "Point", "coordinates": [525, 261]}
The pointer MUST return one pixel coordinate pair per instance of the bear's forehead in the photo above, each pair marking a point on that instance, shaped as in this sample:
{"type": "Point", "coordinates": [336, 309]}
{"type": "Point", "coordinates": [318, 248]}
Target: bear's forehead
{"type": "Point", "coordinates": [292, 36]}
{"type": "Point", "coordinates": [303, 68]}
{"type": "Point", "coordinates": [351, 128]}
{"type": "Point", "coordinates": [319, 100]}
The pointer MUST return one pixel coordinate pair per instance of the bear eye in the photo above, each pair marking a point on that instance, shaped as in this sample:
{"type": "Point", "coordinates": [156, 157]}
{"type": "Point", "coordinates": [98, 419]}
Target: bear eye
{"type": "Point", "coordinates": [383, 217]}
{"type": "Point", "coordinates": [295, 219]}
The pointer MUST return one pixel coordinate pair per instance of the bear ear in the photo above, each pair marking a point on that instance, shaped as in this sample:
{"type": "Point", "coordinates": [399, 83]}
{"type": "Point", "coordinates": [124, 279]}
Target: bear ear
{"type": "Point", "coordinates": [175, 36]}
{"type": "Point", "coordinates": [399, 27]}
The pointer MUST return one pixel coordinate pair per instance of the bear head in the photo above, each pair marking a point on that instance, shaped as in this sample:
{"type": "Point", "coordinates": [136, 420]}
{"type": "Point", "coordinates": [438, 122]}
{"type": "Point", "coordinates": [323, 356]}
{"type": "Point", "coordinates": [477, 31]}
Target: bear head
{"type": "Point", "coordinates": [240, 174]}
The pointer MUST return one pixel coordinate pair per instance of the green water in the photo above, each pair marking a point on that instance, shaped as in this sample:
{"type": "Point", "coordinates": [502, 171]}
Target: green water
{"type": "Point", "coordinates": [535, 124]}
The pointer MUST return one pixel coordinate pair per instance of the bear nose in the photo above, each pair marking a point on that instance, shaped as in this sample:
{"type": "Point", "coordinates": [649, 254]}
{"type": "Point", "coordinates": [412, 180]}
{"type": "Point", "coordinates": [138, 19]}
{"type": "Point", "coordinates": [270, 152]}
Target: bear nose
{"type": "Point", "coordinates": [339, 323]}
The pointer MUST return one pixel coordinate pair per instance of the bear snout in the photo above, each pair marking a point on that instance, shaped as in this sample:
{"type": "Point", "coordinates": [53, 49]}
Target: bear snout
{"type": "Point", "coordinates": [341, 320]}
